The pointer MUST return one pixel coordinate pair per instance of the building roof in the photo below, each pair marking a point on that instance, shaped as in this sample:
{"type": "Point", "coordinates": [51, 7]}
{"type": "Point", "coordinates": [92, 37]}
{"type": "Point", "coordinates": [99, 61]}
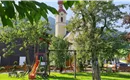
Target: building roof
{"type": "Point", "coordinates": [60, 3]}
{"type": "Point", "coordinates": [62, 10]}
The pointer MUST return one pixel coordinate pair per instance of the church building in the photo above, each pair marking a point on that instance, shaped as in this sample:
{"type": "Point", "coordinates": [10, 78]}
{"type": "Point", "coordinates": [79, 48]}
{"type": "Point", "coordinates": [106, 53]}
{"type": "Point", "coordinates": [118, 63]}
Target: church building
{"type": "Point", "coordinates": [60, 23]}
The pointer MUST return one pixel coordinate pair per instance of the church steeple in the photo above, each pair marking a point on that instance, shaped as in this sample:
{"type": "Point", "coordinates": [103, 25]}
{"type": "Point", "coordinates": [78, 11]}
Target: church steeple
{"type": "Point", "coordinates": [60, 3]}
{"type": "Point", "coordinates": [60, 29]}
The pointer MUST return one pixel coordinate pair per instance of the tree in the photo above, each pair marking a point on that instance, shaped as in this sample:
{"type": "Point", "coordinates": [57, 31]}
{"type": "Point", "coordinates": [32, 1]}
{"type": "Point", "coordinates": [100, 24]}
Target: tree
{"type": "Point", "coordinates": [28, 34]}
{"type": "Point", "coordinates": [113, 46]}
{"type": "Point", "coordinates": [91, 19]}
{"type": "Point", "coordinates": [82, 53]}
{"type": "Point", "coordinates": [60, 55]}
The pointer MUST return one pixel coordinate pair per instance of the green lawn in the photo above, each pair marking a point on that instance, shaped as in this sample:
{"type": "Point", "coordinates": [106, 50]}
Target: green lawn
{"type": "Point", "coordinates": [4, 76]}
{"type": "Point", "coordinates": [87, 76]}
{"type": "Point", "coordinates": [80, 76]}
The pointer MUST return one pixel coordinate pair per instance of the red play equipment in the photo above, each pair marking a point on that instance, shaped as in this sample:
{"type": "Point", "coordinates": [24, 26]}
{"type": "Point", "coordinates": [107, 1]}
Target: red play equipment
{"type": "Point", "coordinates": [32, 74]}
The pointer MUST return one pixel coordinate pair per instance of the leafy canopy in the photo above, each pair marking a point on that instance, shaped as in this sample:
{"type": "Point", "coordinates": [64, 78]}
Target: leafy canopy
{"type": "Point", "coordinates": [23, 35]}
{"type": "Point", "coordinates": [91, 20]}
{"type": "Point", "coordinates": [60, 55]}
{"type": "Point", "coordinates": [33, 10]}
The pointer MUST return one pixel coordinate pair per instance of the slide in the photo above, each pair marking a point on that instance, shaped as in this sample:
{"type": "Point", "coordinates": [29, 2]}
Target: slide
{"type": "Point", "coordinates": [32, 74]}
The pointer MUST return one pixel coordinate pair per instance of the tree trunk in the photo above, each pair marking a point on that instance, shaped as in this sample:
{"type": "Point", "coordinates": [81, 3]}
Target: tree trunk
{"type": "Point", "coordinates": [34, 50]}
{"type": "Point", "coordinates": [116, 62]}
{"type": "Point", "coordinates": [93, 47]}
{"type": "Point", "coordinates": [61, 69]}
{"type": "Point", "coordinates": [28, 57]}
{"type": "Point", "coordinates": [95, 68]}
{"type": "Point", "coordinates": [47, 63]}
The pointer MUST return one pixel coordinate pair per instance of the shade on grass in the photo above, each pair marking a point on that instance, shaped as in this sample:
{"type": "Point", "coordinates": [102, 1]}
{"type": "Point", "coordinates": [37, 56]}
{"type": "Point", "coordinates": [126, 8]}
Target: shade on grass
{"type": "Point", "coordinates": [116, 76]}
{"type": "Point", "coordinates": [87, 76]}
{"type": "Point", "coordinates": [70, 76]}
{"type": "Point", "coordinates": [4, 76]}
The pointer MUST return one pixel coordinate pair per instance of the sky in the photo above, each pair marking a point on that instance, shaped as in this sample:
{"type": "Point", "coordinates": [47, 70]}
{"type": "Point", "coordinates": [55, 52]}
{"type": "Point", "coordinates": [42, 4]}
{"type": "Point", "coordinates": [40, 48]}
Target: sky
{"type": "Point", "coordinates": [54, 4]}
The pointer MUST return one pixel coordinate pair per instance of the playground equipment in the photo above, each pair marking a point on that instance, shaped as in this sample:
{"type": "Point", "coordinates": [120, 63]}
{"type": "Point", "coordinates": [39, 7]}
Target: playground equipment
{"type": "Point", "coordinates": [32, 74]}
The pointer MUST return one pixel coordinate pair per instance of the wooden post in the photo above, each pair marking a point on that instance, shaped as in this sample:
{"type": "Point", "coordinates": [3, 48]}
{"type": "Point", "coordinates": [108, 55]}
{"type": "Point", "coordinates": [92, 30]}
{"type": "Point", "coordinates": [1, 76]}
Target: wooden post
{"type": "Point", "coordinates": [46, 67]}
{"type": "Point", "coordinates": [75, 64]}
{"type": "Point", "coordinates": [48, 62]}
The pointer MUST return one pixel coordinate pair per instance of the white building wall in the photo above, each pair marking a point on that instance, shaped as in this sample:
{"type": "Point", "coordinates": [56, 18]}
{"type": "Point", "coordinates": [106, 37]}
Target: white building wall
{"type": "Point", "coordinates": [60, 29]}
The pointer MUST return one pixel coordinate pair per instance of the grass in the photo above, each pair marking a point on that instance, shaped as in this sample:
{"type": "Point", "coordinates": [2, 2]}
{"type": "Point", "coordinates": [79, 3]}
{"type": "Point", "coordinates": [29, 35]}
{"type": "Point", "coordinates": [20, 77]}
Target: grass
{"type": "Point", "coordinates": [70, 76]}
{"type": "Point", "coordinates": [87, 76]}
{"type": "Point", "coordinates": [4, 76]}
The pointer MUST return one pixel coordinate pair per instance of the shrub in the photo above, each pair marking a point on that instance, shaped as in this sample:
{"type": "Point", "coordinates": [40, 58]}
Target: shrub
{"type": "Point", "coordinates": [2, 68]}
{"type": "Point", "coordinates": [15, 62]}
{"type": "Point", "coordinates": [42, 69]}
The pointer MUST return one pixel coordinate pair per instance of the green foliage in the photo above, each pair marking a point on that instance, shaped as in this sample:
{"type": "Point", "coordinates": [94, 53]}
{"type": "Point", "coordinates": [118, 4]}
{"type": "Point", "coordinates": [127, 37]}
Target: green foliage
{"type": "Point", "coordinates": [2, 68]}
{"type": "Point", "coordinates": [42, 69]}
{"type": "Point", "coordinates": [15, 62]}
{"type": "Point", "coordinates": [33, 10]}
{"type": "Point", "coordinates": [60, 55]}
{"type": "Point", "coordinates": [113, 45]}
{"type": "Point", "coordinates": [27, 34]}
{"type": "Point", "coordinates": [91, 21]}
{"type": "Point", "coordinates": [69, 4]}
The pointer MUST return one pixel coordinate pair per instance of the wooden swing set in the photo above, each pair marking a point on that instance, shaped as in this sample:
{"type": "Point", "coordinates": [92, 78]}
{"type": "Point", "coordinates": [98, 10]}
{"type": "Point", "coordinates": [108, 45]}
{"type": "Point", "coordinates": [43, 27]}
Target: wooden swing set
{"type": "Point", "coordinates": [69, 64]}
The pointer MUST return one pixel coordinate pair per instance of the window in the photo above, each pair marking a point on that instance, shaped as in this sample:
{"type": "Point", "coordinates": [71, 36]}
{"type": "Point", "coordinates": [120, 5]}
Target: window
{"type": "Point", "coordinates": [22, 59]}
{"type": "Point", "coordinates": [61, 19]}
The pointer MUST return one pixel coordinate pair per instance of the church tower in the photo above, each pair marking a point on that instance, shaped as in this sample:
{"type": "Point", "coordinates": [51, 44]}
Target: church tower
{"type": "Point", "coordinates": [60, 24]}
